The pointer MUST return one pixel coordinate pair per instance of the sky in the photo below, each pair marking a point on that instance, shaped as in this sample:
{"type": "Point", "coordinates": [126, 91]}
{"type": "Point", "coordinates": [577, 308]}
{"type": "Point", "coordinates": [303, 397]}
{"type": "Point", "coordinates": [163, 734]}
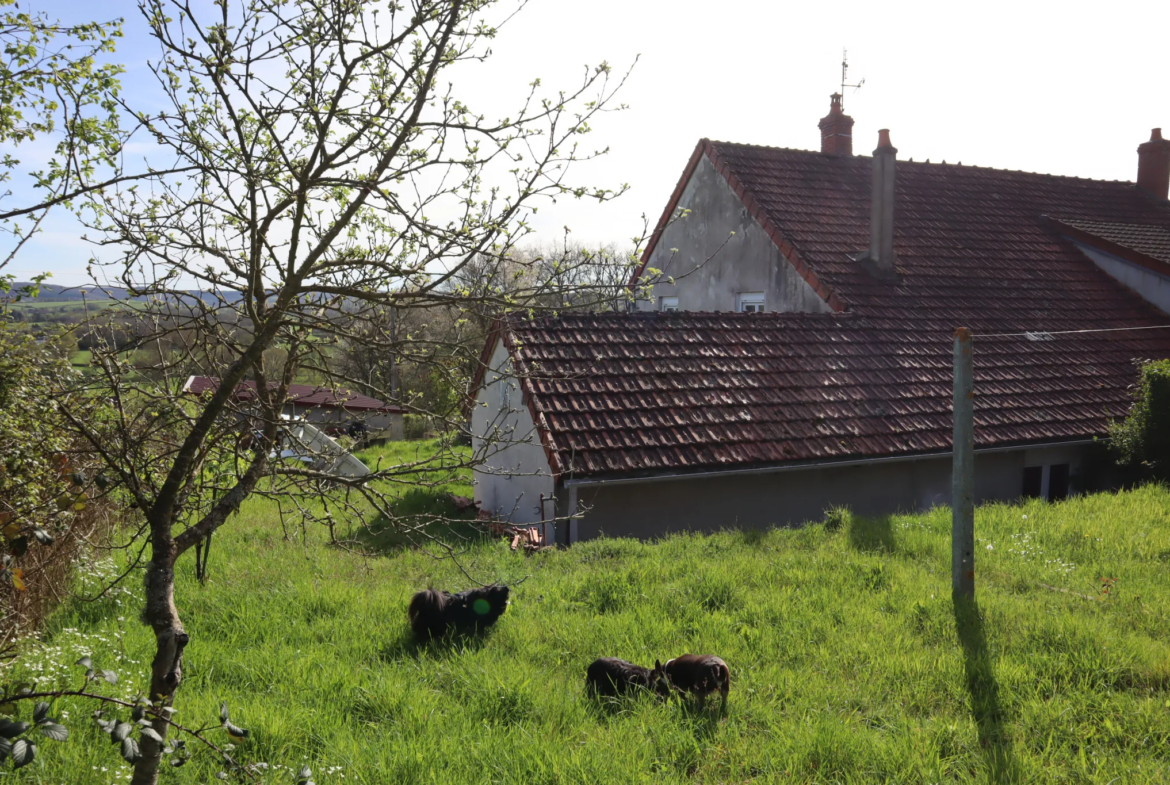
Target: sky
{"type": "Point", "coordinates": [1066, 88]}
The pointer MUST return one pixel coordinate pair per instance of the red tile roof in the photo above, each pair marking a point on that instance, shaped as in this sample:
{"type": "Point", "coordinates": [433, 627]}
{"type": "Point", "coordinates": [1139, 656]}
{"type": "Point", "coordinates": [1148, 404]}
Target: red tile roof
{"type": "Point", "coordinates": [652, 393]}
{"type": "Point", "coordinates": [971, 242]}
{"type": "Point", "coordinates": [1153, 242]}
{"type": "Point", "coordinates": [299, 394]}
{"type": "Point", "coordinates": [666, 392]}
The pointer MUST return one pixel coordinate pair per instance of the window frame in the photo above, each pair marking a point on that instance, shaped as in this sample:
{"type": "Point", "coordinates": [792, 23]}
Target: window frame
{"type": "Point", "coordinates": [505, 381]}
{"type": "Point", "coordinates": [1048, 481]}
{"type": "Point", "coordinates": [668, 304]}
{"type": "Point", "coordinates": [745, 299]}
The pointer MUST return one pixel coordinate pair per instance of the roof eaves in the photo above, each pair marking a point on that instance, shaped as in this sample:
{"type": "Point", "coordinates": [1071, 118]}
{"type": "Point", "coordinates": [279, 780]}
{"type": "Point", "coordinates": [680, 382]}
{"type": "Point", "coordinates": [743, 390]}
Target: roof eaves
{"type": "Point", "coordinates": [536, 412]}
{"type": "Point", "coordinates": [671, 205]}
{"type": "Point", "coordinates": [495, 332]}
{"type": "Point", "coordinates": [1108, 246]}
{"type": "Point", "coordinates": [632, 477]}
{"type": "Point", "coordinates": [500, 331]}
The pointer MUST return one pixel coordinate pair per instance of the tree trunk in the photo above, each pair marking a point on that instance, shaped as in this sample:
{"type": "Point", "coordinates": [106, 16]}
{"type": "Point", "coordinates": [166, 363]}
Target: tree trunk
{"type": "Point", "coordinates": [166, 670]}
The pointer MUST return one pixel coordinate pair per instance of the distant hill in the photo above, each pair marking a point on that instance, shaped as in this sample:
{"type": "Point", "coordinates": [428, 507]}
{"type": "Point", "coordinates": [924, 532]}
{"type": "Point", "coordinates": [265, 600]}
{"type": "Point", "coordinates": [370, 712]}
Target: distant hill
{"type": "Point", "coordinates": [56, 293]}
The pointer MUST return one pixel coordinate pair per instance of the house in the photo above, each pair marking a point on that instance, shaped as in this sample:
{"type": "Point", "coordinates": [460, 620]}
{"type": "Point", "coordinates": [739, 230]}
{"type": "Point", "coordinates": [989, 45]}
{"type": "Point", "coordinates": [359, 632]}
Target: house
{"type": "Point", "coordinates": [797, 352]}
{"type": "Point", "coordinates": [334, 410]}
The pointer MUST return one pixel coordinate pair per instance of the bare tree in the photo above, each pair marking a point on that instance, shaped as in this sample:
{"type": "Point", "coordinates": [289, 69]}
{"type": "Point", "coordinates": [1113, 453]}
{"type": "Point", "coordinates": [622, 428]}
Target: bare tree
{"type": "Point", "coordinates": [584, 278]}
{"type": "Point", "coordinates": [325, 178]}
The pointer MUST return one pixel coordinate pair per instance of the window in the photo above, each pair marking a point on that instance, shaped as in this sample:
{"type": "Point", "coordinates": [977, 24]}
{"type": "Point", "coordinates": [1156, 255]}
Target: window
{"type": "Point", "coordinates": [1046, 482]}
{"type": "Point", "coordinates": [1057, 482]}
{"type": "Point", "coordinates": [750, 302]}
{"type": "Point", "coordinates": [505, 382]}
{"type": "Point", "coordinates": [668, 304]}
{"type": "Point", "coordinates": [1033, 480]}
{"type": "Point", "coordinates": [505, 394]}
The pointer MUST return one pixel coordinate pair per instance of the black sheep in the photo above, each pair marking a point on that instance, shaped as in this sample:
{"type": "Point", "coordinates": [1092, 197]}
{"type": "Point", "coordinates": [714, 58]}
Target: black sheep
{"type": "Point", "coordinates": [610, 677]}
{"type": "Point", "coordinates": [700, 675]}
{"type": "Point", "coordinates": [433, 612]}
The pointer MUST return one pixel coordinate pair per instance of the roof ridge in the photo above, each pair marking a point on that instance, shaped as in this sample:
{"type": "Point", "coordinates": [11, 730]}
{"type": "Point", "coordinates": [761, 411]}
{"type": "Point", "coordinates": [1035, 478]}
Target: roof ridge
{"type": "Point", "coordinates": [911, 162]}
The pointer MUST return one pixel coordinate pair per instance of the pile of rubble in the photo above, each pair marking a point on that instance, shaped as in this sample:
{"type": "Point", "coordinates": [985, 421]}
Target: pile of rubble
{"type": "Point", "coordinates": [529, 538]}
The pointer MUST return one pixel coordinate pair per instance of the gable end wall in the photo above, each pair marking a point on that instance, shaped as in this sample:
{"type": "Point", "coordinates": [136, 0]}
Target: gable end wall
{"type": "Point", "coordinates": [515, 470]}
{"type": "Point", "coordinates": [711, 266]}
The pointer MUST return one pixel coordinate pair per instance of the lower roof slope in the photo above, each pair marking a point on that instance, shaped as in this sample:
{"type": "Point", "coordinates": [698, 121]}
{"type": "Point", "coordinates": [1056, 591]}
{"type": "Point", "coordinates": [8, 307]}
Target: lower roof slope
{"type": "Point", "coordinates": [641, 394]}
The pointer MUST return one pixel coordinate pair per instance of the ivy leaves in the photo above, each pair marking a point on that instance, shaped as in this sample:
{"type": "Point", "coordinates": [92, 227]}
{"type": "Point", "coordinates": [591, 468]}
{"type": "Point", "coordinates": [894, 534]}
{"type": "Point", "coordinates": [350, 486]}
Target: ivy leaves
{"type": "Point", "coordinates": [121, 733]}
{"type": "Point", "coordinates": [131, 727]}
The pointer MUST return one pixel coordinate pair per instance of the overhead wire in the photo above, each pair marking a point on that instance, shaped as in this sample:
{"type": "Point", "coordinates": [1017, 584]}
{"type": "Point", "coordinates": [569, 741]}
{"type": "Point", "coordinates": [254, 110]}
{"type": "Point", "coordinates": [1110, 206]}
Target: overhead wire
{"type": "Point", "coordinates": [1041, 334]}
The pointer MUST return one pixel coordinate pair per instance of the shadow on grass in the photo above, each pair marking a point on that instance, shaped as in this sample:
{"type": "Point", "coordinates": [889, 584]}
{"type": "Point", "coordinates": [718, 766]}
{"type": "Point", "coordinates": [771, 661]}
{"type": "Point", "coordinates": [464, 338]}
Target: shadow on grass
{"type": "Point", "coordinates": [871, 535]}
{"type": "Point", "coordinates": [703, 722]}
{"type": "Point", "coordinates": [986, 708]}
{"type": "Point", "coordinates": [407, 647]}
{"type": "Point", "coordinates": [603, 708]}
{"type": "Point", "coordinates": [752, 537]}
{"type": "Point", "coordinates": [420, 516]}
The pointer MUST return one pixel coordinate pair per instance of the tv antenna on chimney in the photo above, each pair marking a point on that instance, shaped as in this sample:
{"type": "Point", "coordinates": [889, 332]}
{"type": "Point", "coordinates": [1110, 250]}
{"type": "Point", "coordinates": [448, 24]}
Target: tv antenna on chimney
{"type": "Point", "coordinates": [844, 77]}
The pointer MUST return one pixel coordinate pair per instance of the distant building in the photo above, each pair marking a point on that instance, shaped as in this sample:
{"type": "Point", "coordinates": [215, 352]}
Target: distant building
{"type": "Point", "coordinates": [334, 410]}
{"type": "Point", "coordinates": [801, 357]}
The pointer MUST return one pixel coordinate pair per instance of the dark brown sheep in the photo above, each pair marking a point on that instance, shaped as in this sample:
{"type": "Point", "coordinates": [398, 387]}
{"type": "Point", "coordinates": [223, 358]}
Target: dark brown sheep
{"type": "Point", "coordinates": [432, 612]}
{"type": "Point", "coordinates": [610, 677]}
{"type": "Point", "coordinates": [701, 675]}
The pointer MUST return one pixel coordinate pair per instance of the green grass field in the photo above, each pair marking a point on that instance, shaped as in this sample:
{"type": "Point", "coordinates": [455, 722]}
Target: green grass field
{"type": "Point", "coordinates": [64, 305]}
{"type": "Point", "coordinates": [849, 660]}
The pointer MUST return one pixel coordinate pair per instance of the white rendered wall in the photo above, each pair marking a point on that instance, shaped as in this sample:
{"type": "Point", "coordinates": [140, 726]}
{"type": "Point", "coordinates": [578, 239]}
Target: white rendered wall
{"type": "Point", "coordinates": [514, 470]}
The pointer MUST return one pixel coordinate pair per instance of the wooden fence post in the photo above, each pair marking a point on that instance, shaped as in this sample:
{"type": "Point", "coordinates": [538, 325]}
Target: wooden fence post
{"type": "Point", "coordinates": [963, 472]}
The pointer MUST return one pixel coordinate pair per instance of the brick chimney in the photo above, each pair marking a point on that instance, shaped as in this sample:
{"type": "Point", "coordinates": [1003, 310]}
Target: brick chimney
{"type": "Point", "coordinates": [1153, 165]}
{"type": "Point", "coordinates": [879, 259]}
{"type": "Point", "coordinates": [836, 130]}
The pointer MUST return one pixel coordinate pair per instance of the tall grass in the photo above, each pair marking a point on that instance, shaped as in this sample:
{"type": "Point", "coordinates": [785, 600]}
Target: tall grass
{"type": "Point", "coordinates": [849, 660]}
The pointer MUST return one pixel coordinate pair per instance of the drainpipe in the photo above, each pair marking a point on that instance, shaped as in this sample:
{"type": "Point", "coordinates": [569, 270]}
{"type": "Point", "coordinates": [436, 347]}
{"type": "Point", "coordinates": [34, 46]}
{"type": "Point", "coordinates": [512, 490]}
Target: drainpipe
{"type": "Point", "coordinates": [572, 486]}
{"type": "Point", "coordinates": [393, 361]}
